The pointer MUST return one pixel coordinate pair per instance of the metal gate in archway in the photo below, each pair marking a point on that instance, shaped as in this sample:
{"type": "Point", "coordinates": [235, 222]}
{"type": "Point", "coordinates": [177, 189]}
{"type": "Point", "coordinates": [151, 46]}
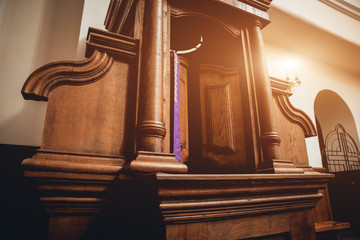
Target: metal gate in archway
{"type": "Point", "coordinates": [341, 152]}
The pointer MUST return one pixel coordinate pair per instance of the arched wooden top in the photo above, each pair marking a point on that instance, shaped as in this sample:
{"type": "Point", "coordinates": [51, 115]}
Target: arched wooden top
{"type": "Point", "coordinates": [230, 28]}
{"type": "Point", "coordinates": [48, 77]}
{"type": "Point", "coordinates": [219, 69]}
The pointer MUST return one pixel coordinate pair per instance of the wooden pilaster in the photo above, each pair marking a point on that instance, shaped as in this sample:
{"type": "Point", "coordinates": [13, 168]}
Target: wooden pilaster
{"type": "Point", "coordinates": [151, 128]}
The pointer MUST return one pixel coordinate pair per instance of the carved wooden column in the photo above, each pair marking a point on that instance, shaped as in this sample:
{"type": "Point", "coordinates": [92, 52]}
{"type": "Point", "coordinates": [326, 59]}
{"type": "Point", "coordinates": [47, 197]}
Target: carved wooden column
{"type": "Point", "coordinates": [150, 124]}
{"type": "Point", "coordinates": [269, 138]}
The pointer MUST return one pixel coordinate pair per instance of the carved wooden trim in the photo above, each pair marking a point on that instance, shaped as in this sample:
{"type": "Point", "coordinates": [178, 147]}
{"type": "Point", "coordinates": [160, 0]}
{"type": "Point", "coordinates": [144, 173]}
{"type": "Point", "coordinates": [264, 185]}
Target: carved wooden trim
{"type": "Point", "coordinates": [280, 86]}
{"type": "Point", "coordinates": [178, 13]}
{"type": "Point", "coordinates": [117, 15]}
{"type": "Point", "coordinates": [113, 44]}
{"type": "Point", "coordinates": [220, 69]}
{"type": "Point", "coordinates": [293, 114]}
{"type": "Point", "coordinates": [146, 161]}
{"type": "Point", "coordinates": [253, 7]}
{"type": "Point", "coordinates": [46, 78]}
{"type": "Point", "coordinates": [201, 197]}
{"type": "Point", "coordinates": [227, 142]}
{"type": "Point", "coordinates": [260, 4]}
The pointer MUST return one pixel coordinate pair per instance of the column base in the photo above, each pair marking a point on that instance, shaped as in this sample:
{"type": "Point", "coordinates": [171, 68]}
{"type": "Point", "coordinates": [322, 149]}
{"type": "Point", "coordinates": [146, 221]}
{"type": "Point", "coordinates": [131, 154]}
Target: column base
{"type": "Point", "coordinates": [279, 166]}
{"type": "Point", "coordinates": [156, 162]}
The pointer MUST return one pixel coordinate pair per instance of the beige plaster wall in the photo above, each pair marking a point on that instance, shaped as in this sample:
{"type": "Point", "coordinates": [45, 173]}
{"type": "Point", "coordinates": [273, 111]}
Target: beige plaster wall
{"type": "Point", "coordinates": [32, 33]}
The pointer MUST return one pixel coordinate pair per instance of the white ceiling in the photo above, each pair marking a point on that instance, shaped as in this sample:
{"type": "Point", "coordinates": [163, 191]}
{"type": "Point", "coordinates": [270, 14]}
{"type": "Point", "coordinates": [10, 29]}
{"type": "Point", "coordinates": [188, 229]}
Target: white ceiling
{"type": "Point", "coordinates": [299, 35]}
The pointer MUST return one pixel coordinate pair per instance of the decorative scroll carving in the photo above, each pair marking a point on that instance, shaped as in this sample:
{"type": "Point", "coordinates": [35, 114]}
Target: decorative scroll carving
{"type": "Point", "coordinates": [219, 119]}
{"type": "Point", "coordinates": [293, 114]}
{"type": "Point", "coordinates": [45, 79]}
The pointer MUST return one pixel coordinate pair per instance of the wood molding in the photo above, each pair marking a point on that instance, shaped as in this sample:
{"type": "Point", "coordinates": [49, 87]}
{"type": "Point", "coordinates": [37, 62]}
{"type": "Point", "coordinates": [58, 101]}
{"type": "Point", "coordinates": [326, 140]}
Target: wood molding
{"type": "Point", "coordinates": [146, 161]}
{"type": "Point", "coordinates": [73, 162]}
{"type": "Point", "coordinates": [293, 114]}
{"type": "Point", "coordinates": [254, 7]}
{"type": "Point", "coordinates": [188, 198]}
{"type": "Point", "coordinates": [112, 43]}
{"type": "Point", "coordinates": [46, 78]}
{"type": "Point", "coordinates": [117, 15]}
{"type": "Point", "coordinates": [230, 28]}
{"type": "Point", "coordinates": [219, 140]}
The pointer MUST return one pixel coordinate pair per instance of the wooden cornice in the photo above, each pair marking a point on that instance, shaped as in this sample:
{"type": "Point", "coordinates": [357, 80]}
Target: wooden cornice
{"type": "Point", "coordinates": [48, 77]}
{"type": "Point", "coordinates": [280, 86]}
{"type": "Point", "coordinates": [179, 12]}
{"type": "Point", "coordinates": [257, 8]}
{"type": "Point", "coordinates": [263, 5]}
{"type": "Point", "coordinates": [202, 197]}
{"type": "Point", "coordinates": [294, 115]}
{"type": "Point", "coordinates": [112, 43]}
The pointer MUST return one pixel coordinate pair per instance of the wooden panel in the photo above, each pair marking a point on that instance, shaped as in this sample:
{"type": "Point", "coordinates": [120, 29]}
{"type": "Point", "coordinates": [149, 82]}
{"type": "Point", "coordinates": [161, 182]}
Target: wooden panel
{"type": "Point", "coordinates": [196, 231]}
{"type": "Point", "coordinates": [243, 228]}
{"type": "Point", "coordinates": [293, 146]}
{"type": "Point", "coordinates": [223, 138]}
{"type": "Point", "coordinates": [68, 227]}
{"type": "Point", "coordinates": [97, 118]}
{"type": "Point", "coordinates": [322, 212]}
{"type": "Point", "coordinates": [302, 226]}
{"type": "Point", "coordinates": [219, 119]}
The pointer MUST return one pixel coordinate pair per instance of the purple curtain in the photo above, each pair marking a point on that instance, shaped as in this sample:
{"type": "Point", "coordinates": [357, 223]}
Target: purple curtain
{"type": "Point", "coordinates": [177, 137]}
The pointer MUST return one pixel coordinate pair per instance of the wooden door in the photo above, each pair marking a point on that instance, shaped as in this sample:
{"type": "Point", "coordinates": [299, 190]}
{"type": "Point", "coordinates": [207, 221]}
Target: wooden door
{"type": "Point", "coordinates": [223, 137]}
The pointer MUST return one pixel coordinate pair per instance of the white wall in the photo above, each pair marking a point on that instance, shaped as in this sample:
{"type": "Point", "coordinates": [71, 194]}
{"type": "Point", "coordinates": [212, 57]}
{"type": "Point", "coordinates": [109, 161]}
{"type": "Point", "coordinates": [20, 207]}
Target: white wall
{"type": "Point", "coordinates": [32, 33]}
{"type": "Point", "coordinates": [315, 76]}
{"type": "Point", "coordinates": [94, 14]}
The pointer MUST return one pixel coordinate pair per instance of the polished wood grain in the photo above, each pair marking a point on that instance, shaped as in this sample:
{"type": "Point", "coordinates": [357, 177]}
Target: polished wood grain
{"type": "Point", "coordinates": [302, 226]}
{"type": "Point", "coordinates": [270, 139]}
{"type": "Point", "coordinates": [281, 94]}
{"type": "Point", "coordinates": [223, 136]}
{"type": "Point", "coordinates": [238, 206]}
{"type": "Point", "coordinates": [293, 146]}
{"type": "Point", "coordinates": [106, 144]}
{"type": "Point", "coordinates": [150, 124]}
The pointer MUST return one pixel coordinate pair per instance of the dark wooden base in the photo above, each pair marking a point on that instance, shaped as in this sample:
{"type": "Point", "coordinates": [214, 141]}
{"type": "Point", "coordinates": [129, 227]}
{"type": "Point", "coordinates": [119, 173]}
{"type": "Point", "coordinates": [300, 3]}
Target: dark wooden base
{"type": "Point", "coordinates": [179, 206]}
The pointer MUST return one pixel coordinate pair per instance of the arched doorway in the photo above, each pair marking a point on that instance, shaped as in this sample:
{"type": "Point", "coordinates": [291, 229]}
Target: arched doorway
{"type": "Point", "coordinates": [338, 136]}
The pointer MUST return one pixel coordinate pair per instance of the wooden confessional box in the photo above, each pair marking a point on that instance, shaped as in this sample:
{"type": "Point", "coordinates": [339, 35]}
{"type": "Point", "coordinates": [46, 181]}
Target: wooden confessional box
{"type": "Point", "coordinates": [105, 168]}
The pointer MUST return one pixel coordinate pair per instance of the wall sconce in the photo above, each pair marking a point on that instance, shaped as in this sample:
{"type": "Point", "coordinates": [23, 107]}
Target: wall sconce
{"type": "Point", "coordinates": [291, 66]}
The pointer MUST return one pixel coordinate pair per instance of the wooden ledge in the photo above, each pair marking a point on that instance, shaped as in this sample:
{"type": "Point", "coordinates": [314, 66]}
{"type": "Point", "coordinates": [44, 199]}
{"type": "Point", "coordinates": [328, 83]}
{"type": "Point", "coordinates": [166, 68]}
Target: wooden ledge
{"type": "Point", "coordinates": [330, 226]}
{"type": "Point", "coordinates": [263, 176]}
{"type": "Point", "coordinates": [188, 198]}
